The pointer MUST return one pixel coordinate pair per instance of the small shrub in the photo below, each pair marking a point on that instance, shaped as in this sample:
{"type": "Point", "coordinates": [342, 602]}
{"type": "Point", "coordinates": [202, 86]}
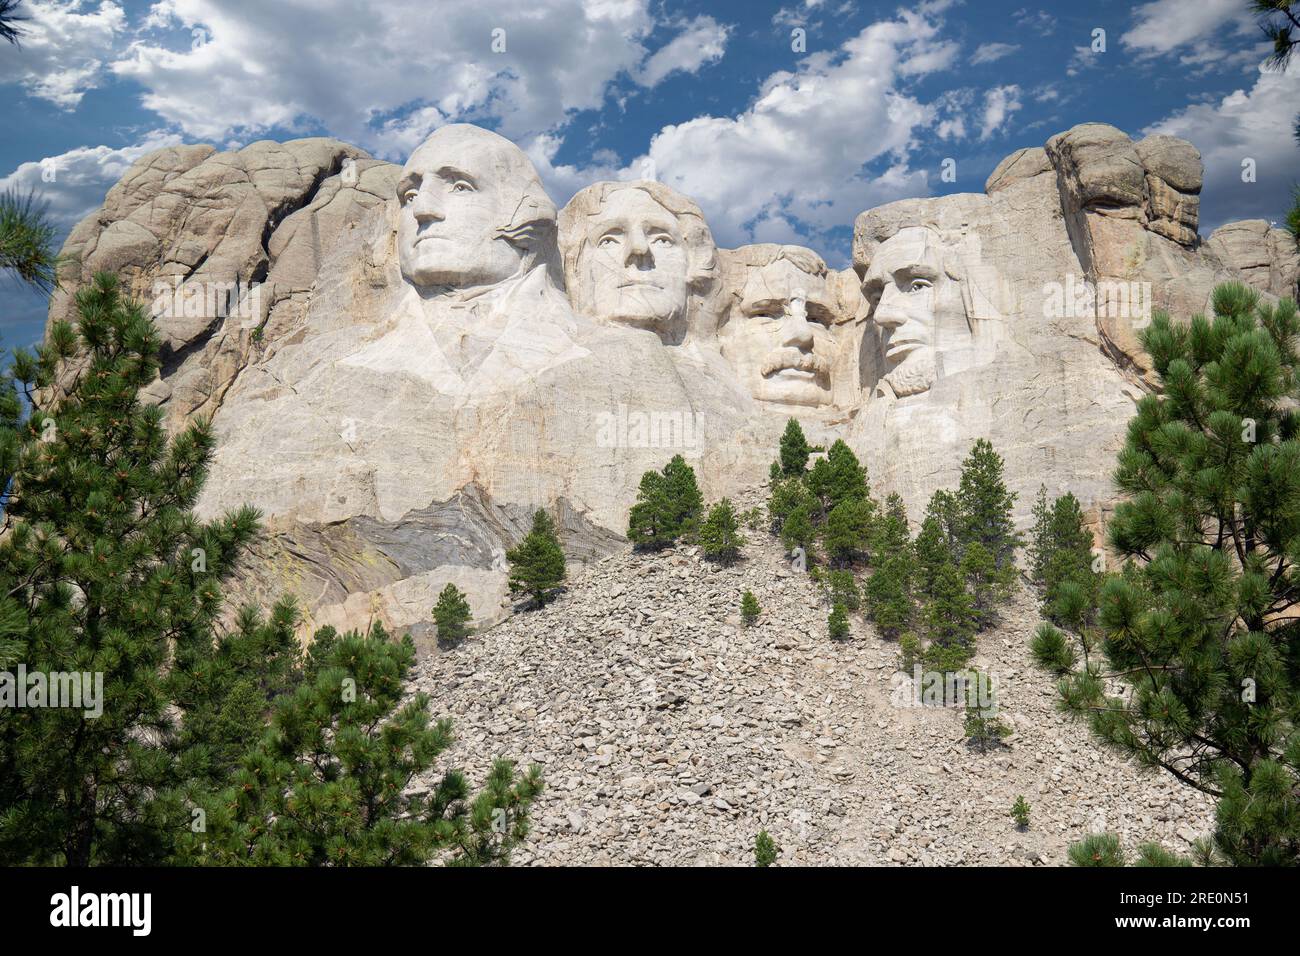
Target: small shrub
{"type": "Point", "coordinates": [452, 615]}
{"type": "Point", "coordinates": [1051, 650]}
{"type": "Point", "coordinates": [749, 609]}
{"type": "Point", "coordinates": [765, 849]}
{"type": "Point", "coordinates": [1099, 849]}
{"type": "Point", "coordinates": [838, 622]}
{"type": "Point", "coordinates": [1020, 812]}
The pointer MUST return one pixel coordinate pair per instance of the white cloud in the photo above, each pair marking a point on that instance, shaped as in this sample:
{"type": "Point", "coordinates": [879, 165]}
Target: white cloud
{"type": "Point", "coordinates": [999, 103]}
{"type": "Point", "coordinates": [359, 69]}
{"type": "Point", "coordinates": [63, 49]}
{"type": "Point", "coordinates": [797, 153]}
{"type": "Point", "coordinates": [1207, 36]}
{"type": "Point", "coordinates": [1083, 58]}
{"type": "Point", "coordinates": [702, 41]}
{"type": "Point", "coordinates": [80, 177]}
{"type": "Point", "coordinates": [1040, 21]}
{"type": "Point", "coordinates": [1165, 25]}
{"type": "Point", "coordinates": [1246, 124]}
{"type": "Point", "coordinates": [990, 52]}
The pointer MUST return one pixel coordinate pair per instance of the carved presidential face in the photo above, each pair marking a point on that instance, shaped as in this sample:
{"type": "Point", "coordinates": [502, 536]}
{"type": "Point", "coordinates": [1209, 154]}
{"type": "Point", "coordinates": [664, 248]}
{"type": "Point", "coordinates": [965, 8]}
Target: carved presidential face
{"type": "Point", "coordinates": [780, 341]}
{"type": "Point", "coordinates": [917, 308]}
{"type": "Point", "coordinates": [458, 192]}
{"type": "Point", "coordinates": [635, 262]}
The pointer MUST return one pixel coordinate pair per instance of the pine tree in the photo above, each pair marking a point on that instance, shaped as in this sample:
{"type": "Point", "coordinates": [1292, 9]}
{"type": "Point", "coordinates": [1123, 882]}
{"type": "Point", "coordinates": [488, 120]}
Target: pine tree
{"type": "Point", "coordinates": [1097, 849]}
{"type": "Point", "coordinates": [846, 532]}
{"type": "Point", "coordinates": [1051, 650]}
{"type": "Point", "coordinates": [889, 533]}
{"type": "Point", "coordinates": [843, 588]}
{"type": "Point", "coordinates": [1069, 556]}
{"type": "Point", "coordinates": [786, 497]}
{"type": "Point", "coordinates": [985, 516]}
{"type": "Point", "coordinates": [223, 689]}
{"type": "Point", "coordinates": [946, 510]}
{"type": "Point", "coordinates": [749, 609]}
{"type": "Point", "coordinates": [889, 594]}
{"type": "Point", "coordinates": [818, 480]}
{"type": "Point", "coordinates": [9, 20]}
{"type": "Point", "coordinates": [647, 522]}
{"type": "Point", "coordinates": [685, 504]}
{"type": "Point", "coordinates": [981, 725]}
{"type": "Point", "coordinates": [979, 574]}
{"type": "Point", "coordinates": [328, 783]}
{"type": "Point", "coordinates": [794, 450]}
{"type": "Point", "coordinates": [720, 536]}
{"type": "Point", "coordinates": [797, 530]}
{"type": "Point", "coordinates": [104, 570]}
{"type": "Point", "coordinates": [1200, 625]}
{"type": "Point", "coordinates": [948, 616]}
{"type": "Point", "coordinates": [838, 623]}
{"type": "Point", "coordinates": [1020, 812]}
{"type": "Point", "coordinates": [537, 563]}
{"type": "Point", "coordinates": [765, 849]}
{"type": "Point", "coordinates": [27, 238]}
{"type": "Point", "coordinates": [932, 552]}
{"type": "Point", "coordinates": [847, 479]}
{"type": "Point", "coordinates": [452, 614]}
{"type": "Point", "coordinates": [668, 506]}
{"type": "Point", "coordinates": [1040, 544]}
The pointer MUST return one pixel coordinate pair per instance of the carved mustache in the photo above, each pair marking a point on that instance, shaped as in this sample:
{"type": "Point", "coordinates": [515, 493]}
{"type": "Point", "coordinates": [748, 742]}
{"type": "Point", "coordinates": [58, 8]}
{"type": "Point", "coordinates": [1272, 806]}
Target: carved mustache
{"type": "Point", "coordinates": [794, 359]}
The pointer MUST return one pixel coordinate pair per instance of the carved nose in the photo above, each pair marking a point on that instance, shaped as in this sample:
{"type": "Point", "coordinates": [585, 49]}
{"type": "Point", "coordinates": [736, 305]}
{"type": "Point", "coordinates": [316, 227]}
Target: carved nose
{"type": "Point", "coordinates": [796, 332]}
{"type": "Point", "coordinates": [638, 247]}
{"type": "Point", "coordinates": [887, 313]}
{"type": "Point", "coordinates": [426, 208]}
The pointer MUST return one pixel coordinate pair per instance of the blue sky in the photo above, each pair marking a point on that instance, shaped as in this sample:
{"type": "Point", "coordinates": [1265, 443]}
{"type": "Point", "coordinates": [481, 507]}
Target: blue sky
{"type": "Point", "coordinates": [777, 139]}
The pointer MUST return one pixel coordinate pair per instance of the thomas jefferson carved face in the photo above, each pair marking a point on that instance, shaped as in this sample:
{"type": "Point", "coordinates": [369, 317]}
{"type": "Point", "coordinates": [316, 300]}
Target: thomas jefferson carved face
{"type": "Point", "coordinates": [917, 306]}
{"type": "Point", "coordinates": [471, 210]}
{"type": "Point", "coordinates": [637, 254]}
{"type": "Point", "coordinates": [780, 341]}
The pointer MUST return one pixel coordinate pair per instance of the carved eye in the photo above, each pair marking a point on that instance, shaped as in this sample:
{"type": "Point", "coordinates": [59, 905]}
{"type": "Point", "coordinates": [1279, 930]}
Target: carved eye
{"type": "Point", "coordinates": [410, 194]}
{"type": "Point", "coordinates": [606, 241]}
{"type": "Point", "coordinates": [461, 186]}
{"type": "Point", "coordinates": [663, 241]}
{"type": "Point", "coordinates": [919, 285]}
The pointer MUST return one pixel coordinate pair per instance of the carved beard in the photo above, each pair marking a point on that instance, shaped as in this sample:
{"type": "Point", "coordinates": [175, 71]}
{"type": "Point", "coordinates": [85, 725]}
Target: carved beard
{"type": "Point", "coordinates": [915, 374]}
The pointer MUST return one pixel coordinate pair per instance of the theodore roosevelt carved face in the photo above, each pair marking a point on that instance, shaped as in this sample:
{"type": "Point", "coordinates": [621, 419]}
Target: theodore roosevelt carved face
{"type": "Point", "coordinates": [778, 335]}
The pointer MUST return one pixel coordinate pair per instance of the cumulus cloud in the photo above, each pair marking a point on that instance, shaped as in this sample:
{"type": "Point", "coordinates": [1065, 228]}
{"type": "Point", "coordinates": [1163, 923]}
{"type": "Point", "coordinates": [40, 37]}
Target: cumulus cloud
{"type": "Point", "coordinates": [1250, 124]}
{"type": "Point", "coordinates": [63, 50]}
{"type": "Point", "coordinates": [990, 52]}
{"type": "Point", "coordinates": [1164, 25]}
{"type": "Point", "coordinates": [700, 42]}
{"type": "Point", "coordinates": [1204, 37]}
{"type": "Point", "coordinates": [999, 103]}
{"type": "Point", "coordinates": [384, 75]}
{"type": "Point", "coordinates": [794, 162]}
{"type": "Point", "coordinates": [72, 184]}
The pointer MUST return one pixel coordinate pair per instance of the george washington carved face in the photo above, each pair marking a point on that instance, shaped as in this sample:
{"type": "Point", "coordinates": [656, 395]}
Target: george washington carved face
{"type": "Point", "coordinates": [472, 211]}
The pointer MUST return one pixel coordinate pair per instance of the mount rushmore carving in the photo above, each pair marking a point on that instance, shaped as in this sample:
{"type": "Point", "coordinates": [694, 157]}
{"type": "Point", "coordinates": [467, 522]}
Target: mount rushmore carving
{"type": "Point", "coordinates": [408, 361]}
